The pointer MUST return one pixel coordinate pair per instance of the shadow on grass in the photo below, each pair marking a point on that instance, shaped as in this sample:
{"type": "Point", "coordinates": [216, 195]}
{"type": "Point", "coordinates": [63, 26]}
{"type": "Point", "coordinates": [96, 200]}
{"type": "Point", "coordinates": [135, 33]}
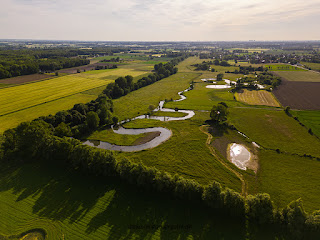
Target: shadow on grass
{"type": "Point", "coordinates": [97, 204]}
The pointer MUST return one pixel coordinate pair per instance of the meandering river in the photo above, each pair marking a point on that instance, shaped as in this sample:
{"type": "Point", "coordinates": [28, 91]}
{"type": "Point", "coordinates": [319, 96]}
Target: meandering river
{"type": "Point", "coordinates": [165, 133]}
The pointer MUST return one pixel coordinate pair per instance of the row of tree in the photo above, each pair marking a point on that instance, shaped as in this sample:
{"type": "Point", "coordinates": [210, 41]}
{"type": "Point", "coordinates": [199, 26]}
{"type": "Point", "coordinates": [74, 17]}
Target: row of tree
{"type": "Point", "coordinates": [35, 140]}
{"type": "Point", "coordinates": [24, 67]}
{"type": "Point", "coordinates": [124, 85]}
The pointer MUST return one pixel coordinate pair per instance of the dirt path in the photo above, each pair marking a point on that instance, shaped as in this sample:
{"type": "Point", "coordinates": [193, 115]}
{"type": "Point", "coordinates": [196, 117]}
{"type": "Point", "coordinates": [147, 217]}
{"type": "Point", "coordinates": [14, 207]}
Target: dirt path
{"type": "Point", "coordinates": [244, 188]}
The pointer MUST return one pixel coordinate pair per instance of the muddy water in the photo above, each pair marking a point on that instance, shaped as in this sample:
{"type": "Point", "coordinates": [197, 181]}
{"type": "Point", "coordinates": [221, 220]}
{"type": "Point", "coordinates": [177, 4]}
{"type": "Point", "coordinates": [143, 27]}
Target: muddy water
{"type": "Point", "coordinates": [239, 155]}
{"type": "Point", "coordinates": [164, 135]}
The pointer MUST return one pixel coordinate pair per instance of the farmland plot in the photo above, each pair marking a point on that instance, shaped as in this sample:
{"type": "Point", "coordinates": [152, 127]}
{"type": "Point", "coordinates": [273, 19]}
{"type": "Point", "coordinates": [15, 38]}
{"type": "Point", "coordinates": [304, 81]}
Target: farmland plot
{"type": "Point", "coordinates": [24, 96]}
{"type": "Point", "coordinates": [257, 98]}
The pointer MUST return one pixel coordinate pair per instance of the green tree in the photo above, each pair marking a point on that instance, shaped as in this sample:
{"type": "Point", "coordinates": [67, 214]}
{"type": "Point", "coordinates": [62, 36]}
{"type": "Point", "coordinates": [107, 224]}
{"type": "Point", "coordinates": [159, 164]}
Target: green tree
{"type": "Point", "coordinates": [92, 120]}
{"type": "Point", "coordinates": [220, 77]}
{"type": "Point", "coordinates": [219, 113]}
{"type": "Point", "coordinates": [260, 209]}
{"type": "Point", "coordinates": [63, 130]}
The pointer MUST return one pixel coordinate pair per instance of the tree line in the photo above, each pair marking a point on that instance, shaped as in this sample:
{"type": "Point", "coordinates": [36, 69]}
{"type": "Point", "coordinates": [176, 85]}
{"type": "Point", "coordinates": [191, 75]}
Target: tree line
{"type": "Point", "coordinates": [124, 85]}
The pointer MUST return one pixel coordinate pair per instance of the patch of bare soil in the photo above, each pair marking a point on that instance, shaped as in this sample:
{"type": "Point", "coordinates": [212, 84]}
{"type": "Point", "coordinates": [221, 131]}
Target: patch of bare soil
{"type": "Point", "coordinates": [25, 78]}
{"type": "Point", "coordinates": [147, 138]}
{"type": "Point", "coordinates": [299, 95]}
{"type": "Point", "coordinates": [82, 68]}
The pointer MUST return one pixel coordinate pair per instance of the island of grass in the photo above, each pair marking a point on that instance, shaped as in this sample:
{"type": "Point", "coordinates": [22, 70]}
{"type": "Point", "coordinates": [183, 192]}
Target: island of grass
{"type": "Point", "coordinates": [107, 135]}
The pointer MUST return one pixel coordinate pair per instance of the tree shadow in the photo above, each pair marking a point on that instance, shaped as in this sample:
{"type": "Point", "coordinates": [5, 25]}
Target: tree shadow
{"type": "Point", "coordinates": [102, 203]}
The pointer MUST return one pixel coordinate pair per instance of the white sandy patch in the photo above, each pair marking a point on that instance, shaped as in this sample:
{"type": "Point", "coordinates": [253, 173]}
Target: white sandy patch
{"type": "Point", "coordinates": [218, 86]}
{"type": "Point", "coordinates": [239, 155]}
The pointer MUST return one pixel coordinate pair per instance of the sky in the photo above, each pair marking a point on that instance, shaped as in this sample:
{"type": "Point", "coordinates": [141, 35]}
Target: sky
{"type": "Point", "coordinates": [160, 20]}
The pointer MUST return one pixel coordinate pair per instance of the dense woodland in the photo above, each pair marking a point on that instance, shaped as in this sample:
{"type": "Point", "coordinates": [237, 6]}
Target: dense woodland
{"type": "Point", "coordinates": [18, 62]}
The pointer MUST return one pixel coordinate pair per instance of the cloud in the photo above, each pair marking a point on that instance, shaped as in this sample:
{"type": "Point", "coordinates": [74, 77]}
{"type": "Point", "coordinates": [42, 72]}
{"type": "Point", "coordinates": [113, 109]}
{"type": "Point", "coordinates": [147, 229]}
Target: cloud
{"type": "Point", "coordinates": [156, 19]}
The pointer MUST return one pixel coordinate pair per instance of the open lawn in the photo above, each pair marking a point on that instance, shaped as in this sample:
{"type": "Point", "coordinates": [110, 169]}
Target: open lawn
{"type": "Point", "coordinates": [68, 205]}
{"type": "Point", "coordinates": [185, 153]}
{"type": "Point", "coordinates": [13, 119]}
{"type": "Point", "coordinates": [287, 178]}
{"type": "Point", "coordinates": [202, 98]}
{"type": "Point", "coordinates": [253, 97]}
{"type": "Point", "coordinates": [137, 102]}
{"type": "Point", "coordinates": [311, 119]}
{"type": "Point", "coordinates": [275, 130]}
{"type": "Point", "coordinates": [14, 99]}
{"type": "Point", "coordinates": [299, 76]}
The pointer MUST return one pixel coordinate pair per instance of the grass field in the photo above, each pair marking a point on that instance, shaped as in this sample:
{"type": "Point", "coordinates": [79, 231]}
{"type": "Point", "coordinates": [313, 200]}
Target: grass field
{"type": "Point", "coordinates": [185, 153]}
{"type": "Point", "coordinates": [25, 96]}
{"type": "Point", "coordinates": [202, 98]}
{"type": "Point", "coordinates": [260, 97]}
{"type": "Point", "coordinates": [311, 119]}
{"type": "Point", "coordinates": [282, 67]}
{"type": "Point", "coordinates": [68, 205]}
{"type": "Point", "coordinates": [169, 114]}
{"type": "Point", "coordinates": [313, 66]}
{"type": "Point", "coordinates": [137, 102]}
{"type": "Point", "coordinates": [287, 178]}
{"type": "Point", "coordinates": [13, 119]}
{"type": "Point", "coordinates": [109, 136]}
{"type": "Point", "coordinates": [299, 76]}
{"type": "Point", "coordinates": [275, 130]}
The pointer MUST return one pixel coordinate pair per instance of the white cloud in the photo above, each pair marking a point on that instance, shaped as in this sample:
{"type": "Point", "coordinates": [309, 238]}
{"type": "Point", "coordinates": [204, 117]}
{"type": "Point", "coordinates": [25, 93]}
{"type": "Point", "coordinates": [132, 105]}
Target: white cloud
{"type": "Point", "coordinates": [159, 19]}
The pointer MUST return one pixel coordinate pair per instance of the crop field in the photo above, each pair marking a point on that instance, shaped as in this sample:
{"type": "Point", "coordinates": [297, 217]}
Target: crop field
{"type": "Point", "coordinates": [275, 130]}
{"type": "Point", "coordinates": [193, 160]}
{"type": "Point", "coordinates": [311, 119]}
{"type": "Point", "coordinates": [69, 206]}
{"type": "Point", "coordinates": [111, 74]}
{"type": "Point", "coordinates": [282, 67]}
{"type": "Point", "coordinates": [260, 97]}
{"type": "Point", "coordinates": [299, 95]}
{"type": "Point", "coordinates": [137, 102]}
{"type": "Point", "coordinates": [13, 119]}
{"type": "Point", "coordinates": [313, 66]}
{"type": "Point", "coordinates": [29, 95]}
{"type": "Point", "coordinates": [287, 178]}
{"type": "Point", "coordinates": [202, 98]}
{"type": "Point", "coordinates": [299, 76]}
{"type": "Point", "coordinates": [25, 79]}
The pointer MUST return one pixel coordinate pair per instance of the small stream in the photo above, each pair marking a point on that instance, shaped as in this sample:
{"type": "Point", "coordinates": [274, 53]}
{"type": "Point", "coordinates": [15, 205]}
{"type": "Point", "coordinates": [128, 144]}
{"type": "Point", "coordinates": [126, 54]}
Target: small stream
{"type": "Point", "coordinates": [165, 133]}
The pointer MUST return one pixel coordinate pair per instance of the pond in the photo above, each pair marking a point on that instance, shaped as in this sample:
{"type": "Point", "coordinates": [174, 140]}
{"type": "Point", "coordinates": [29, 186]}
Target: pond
{"type": "Point", "coordinates": [239, 155]}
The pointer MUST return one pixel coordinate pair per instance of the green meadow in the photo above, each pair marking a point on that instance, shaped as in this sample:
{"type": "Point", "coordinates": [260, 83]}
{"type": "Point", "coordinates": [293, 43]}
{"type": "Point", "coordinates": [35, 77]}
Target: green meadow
{"type": "Point", "coordinates": [202, 98]}
{"type": "Point", "coordinates": [185, 153]}
{"type": "Point", "coordinates": [311, 119]}
{"type": "Point", "coordinates": [288, 177]}
{"type": "Point", "coordinates": [137, 102]}
{"type": "Point", "coordinates": [275, 130]}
